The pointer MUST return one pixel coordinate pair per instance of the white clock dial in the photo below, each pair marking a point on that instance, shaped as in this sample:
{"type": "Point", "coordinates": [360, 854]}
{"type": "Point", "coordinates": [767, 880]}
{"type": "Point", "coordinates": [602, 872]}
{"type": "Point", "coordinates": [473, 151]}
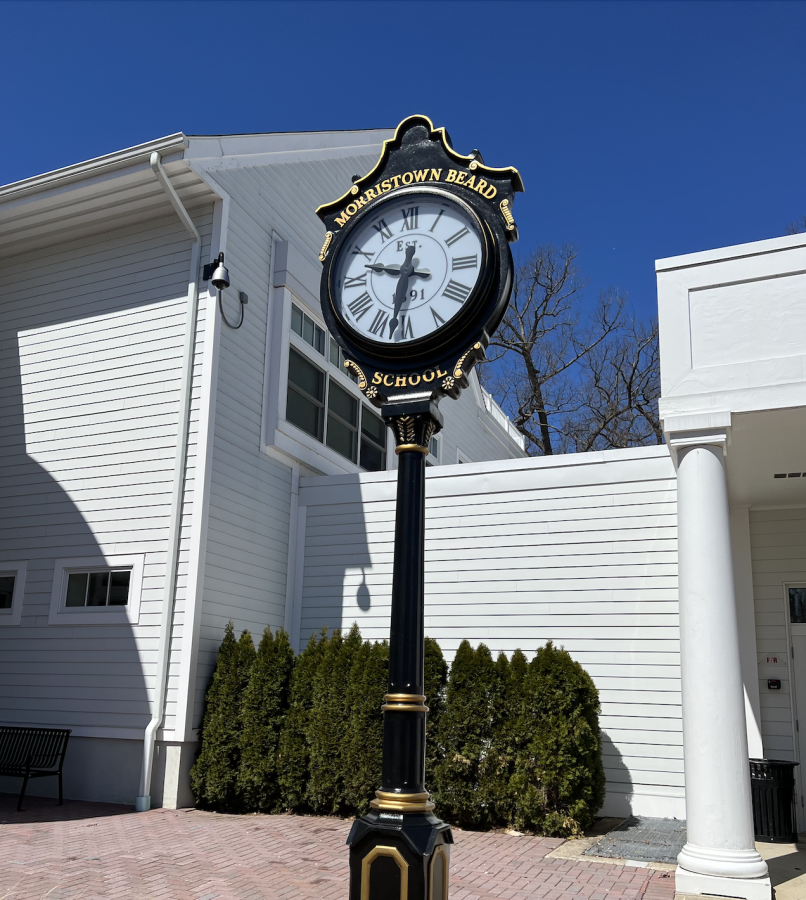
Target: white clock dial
{"type": "Point", "coordinates": [408, 268]}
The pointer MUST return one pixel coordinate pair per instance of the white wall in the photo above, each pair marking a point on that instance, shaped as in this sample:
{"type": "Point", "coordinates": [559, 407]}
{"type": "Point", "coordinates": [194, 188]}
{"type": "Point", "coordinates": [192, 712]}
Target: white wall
{"type": "Point", "coordinates": [92, 336]}
{"type": "Point", "coordinates": [731, 328]}
{"type": "Point", "coordinates": [581, 550]}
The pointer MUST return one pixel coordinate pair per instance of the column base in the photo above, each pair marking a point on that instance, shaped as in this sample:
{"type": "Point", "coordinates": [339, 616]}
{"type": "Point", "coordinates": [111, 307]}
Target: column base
{"type": "Point", "coordinates": [686, 882]}
{"type": "Point", "coordinates": [399, 856]}
{"type": "Point", "coordinates": [722, 863]}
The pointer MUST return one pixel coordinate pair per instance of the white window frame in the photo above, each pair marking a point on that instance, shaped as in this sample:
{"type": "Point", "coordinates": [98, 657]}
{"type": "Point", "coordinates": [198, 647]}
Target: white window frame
{"type": "Point", "coordinates": [461, 457]}
{"type": "Point", "coordinates": [19, 569]}
{"type": "Point", "coordinates": [96, 615]}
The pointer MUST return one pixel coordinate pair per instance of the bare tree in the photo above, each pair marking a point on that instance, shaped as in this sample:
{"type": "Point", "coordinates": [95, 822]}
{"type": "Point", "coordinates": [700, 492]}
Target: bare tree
{"type": "Point", "coordinates": [796, 227]}
{"type": "Point", "coordinates": [619, 385]}
{"type": "Point", "coordinates": [573, 382]}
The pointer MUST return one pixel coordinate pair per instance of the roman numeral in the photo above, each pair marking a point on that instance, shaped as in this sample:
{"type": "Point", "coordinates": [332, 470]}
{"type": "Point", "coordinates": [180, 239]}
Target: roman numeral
{"type": "Point", "coordinates": [438, 320]}
{"type": "Point", "coordinates": [360, 305]}
{"type": "Point", "coordinates": [360, 281]}
{"type": "Point", "coordinates": [378, 325]}
{"type": "Point", "coordinates": [405, 325]}
{"type": "Point", "coordinates": [436, 220]}
{"type": "Point", "coordinates": [357, 252]}
{"type": "Point", "coordinates": [464, 262]}
{"type": "Point", "coordinates": [457, 237]}
{"type": "Point", "coordinates": [383, 230]}
{"type": "Point", "coordinates": [456, 291]}
{"type": "Point", "coordinates": [410, 218]}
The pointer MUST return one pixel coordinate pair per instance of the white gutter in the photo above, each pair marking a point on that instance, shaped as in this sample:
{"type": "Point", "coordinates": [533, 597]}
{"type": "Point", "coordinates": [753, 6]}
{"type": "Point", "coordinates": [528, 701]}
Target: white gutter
{"type": "Point", "coordinates": [174, 143]}
{"type": "Point", "coordinates": [143, 801]}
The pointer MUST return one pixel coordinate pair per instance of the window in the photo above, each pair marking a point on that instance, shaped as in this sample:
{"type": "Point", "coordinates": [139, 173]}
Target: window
{"type": "Point", "coordinates": [325, 410]}
{"type": "Point", "coordinates": [307, 329]}
{"type": "Point", "coordinates": [12, 588]}
{"type": "Point", "coordinates": [105, 588]}
{"type": "Point", "coordinates": [337, 359]}
{"type": "Point", "coordinates": [305, 403]}
{"type": "Point", "coordinates": [96, 591]}
{"type": "Point", "coordinates": [461, 457]}
{"type": "Point", "coordinates": [342, 422]}
{"type": "Point", "coordinates": [797, 605]}
{"type": "Point", "coordinates": [7, 590]}
{"type": "Point", "coordinates": [433, 450]}
{"type": "Point", "coordinates": [373, 441]}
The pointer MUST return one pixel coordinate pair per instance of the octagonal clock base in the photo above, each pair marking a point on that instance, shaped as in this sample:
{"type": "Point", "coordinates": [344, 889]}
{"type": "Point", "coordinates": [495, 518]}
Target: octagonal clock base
{"type": "Point", "coordinates": [399, 856]}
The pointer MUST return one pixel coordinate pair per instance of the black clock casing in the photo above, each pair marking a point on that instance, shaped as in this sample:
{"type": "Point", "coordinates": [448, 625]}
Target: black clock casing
{"type": "Point", "coordinates": [420, 162]}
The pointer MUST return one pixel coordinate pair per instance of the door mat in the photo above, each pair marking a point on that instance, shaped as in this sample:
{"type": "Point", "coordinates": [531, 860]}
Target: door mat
{"type": "Point", "coordinates": [640, 838]}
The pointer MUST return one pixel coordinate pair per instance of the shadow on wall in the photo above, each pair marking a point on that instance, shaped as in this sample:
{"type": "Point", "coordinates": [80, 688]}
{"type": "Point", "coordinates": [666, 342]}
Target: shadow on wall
{"type": "Point", "coordinates": [618, 801]}
{"type": "Point", "coordinates": [85, 677]}
{"type": "Point", "coordinates": [340, 584]}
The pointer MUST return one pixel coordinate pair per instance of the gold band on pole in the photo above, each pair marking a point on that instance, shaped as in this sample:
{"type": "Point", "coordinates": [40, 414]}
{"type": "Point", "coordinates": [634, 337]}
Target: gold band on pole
{"type": "Point", "coordinates": [404, 447]}
{"type": "Point", "coordinates": [404, 803]}
{"type": "Point", "coordinates": [404, 703]}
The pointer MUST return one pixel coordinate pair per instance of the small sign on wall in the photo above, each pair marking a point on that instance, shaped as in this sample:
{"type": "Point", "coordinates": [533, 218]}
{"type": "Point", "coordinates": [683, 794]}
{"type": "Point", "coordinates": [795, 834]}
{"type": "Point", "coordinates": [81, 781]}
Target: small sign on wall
{"type": "Point", "coordinates": [772, 659]}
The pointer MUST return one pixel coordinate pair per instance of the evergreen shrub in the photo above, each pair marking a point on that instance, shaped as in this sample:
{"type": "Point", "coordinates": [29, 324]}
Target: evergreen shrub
{"type": "Point", "coordinates": [558, 784]}
{"type": "Point", "coordinates": [214, 776]}
{"type": "Point", "coordinates": [436, 682]}
{"type": "Point", "coordinates": [366, 687]}
{"type": "Point", "coordinates": [294, 752]}
{"type": "Point", "coordinates": [465, 733]}
{"type": "Point", "coordinates": [265, 704]}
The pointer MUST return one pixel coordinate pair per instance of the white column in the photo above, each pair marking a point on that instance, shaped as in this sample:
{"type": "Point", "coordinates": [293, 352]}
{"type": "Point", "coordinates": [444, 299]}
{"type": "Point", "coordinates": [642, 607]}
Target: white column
{"type": "Point", "coordinates": [720, 856]}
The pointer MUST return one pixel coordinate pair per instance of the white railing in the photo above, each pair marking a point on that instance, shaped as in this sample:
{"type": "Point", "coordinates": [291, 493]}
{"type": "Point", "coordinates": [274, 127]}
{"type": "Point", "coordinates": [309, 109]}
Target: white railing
{"type": "Point", "coordinates": [502, 419]}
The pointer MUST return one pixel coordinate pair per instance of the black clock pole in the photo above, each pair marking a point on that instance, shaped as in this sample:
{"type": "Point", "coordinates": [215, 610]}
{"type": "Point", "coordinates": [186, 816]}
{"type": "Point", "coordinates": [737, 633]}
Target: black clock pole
{"type": "Point", "coordinates": [401, 849]}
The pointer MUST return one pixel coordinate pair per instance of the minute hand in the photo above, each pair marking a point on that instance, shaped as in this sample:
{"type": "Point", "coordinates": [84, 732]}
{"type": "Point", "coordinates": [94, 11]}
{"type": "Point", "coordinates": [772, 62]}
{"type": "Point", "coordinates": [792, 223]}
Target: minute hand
{"type": "Point", "coordinates": [406, 271]}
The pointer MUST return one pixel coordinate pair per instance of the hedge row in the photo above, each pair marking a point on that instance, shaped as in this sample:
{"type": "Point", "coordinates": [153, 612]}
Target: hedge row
{"type": "Point", "coordinates": [510, 742]}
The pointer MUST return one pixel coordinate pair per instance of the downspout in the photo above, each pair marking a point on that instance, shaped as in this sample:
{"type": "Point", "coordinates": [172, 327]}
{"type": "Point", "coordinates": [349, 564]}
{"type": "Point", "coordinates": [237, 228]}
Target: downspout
{"type": "Point", "coordinates": [143, 801]}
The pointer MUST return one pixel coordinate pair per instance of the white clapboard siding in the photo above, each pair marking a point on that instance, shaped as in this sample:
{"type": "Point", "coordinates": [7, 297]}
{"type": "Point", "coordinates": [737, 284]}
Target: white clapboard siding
{"type": "Point", "coordinates": [92, 337]}
{"type": "Point", "coordinates": [778, 550]}
{"type": "Point", "coordinates": [250, 492]}
{"type": "Point", "coordinates": [578, 550]}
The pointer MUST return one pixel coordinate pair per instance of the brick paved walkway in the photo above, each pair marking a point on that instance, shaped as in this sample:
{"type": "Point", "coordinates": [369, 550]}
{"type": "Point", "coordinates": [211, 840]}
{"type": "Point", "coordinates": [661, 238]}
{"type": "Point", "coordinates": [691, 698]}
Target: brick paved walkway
{"type": "Point", "coordinates": [95, 851]}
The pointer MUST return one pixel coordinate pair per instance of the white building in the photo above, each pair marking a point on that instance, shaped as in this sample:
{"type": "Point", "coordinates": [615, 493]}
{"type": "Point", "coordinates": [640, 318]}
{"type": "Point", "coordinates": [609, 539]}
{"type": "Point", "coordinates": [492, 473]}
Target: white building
{"type": "Point", "coordinates": [145, 438]}
{"type": "Point", "coordinates": [685, 613]}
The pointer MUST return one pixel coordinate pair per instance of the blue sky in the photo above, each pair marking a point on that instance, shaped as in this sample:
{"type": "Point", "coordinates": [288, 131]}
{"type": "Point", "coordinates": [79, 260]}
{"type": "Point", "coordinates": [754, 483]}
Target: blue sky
{"type": "Point", "coordinates": [642, 130]}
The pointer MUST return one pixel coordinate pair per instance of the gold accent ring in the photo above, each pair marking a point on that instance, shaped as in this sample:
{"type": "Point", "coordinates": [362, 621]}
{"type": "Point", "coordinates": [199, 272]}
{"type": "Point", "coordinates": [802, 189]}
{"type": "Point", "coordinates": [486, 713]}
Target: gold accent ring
{"type": "Point", "coordinates": [404, 447]}
{"type": "Point", "coordinates": [404, 703]}
{"type": "Point", "coordinates": [405, 803]}
{"type": "Point", "coordinates": [404, 698]}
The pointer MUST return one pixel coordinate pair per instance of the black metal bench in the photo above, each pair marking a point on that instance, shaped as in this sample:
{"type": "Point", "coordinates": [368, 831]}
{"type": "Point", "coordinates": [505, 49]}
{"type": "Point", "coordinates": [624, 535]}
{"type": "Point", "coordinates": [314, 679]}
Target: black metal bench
{"type": "Point", "coordinates": [32, 753]}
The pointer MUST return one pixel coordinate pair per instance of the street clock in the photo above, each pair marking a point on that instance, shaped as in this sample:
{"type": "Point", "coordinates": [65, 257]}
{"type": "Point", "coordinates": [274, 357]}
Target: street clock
{"type": "Point", "coordinates": [417, 266]}
{"type": "Point", "coordinates": [417, 276]}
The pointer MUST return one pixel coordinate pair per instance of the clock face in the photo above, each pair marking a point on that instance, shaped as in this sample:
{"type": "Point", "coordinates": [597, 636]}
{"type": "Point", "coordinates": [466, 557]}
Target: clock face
{"type": "Point", "coordinates": [409, 267]}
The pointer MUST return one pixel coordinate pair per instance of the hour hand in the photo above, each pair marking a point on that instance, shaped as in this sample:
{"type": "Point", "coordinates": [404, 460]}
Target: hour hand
{"type": "Point", "coordinates": [395, 270]}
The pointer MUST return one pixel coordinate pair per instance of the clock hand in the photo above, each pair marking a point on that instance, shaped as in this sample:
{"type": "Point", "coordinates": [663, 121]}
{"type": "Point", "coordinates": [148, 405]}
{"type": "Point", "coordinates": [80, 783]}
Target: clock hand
{"type": "Point", "coordinates": [406, 271]}
{"type": "Point", "coordinates": [395, 270]}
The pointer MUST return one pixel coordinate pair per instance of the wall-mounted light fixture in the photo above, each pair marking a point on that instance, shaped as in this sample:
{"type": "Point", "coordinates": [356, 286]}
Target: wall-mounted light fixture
{"type": "Point", "coordinates": [217, 273]}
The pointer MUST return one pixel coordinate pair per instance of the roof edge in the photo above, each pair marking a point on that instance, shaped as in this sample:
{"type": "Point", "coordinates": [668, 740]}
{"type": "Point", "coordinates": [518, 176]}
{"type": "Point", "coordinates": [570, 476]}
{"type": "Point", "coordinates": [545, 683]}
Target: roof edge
{"type": "Point", "coordinates": [116, 160]}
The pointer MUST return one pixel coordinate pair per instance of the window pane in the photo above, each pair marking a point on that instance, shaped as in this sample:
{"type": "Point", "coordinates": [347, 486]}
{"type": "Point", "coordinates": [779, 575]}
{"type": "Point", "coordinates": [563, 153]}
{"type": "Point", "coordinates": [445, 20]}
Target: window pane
{"type": "Point", "coordinates": [304, 413]}
{"type": "Point", "coordinates": [99, 585]}
{"type": "Point", "coordinates": [119, 588]}
{"type": "Point", "coordinates": [305, 375]}
{"type": "Point", "coordinates": [341, 403]}
{"type": "Point", "coordinates": [372, 426]}
{"type": "Point", "coordinates": [307, 330]}
{"type": "Point", "coordinates": [319, 339]}
{"type": "Point", "coordinates": [797, 606]}
{"type": "Point", "coordinates": [340, 438]}
{"type": "Point", "coordinates": [76, 589]}
{"type": "Point", "coordinates": [296, 320]}
{"type": "Point", "coordinates": [6, 591]}
{"type": "Point", "coordinates": [334, 353]}
{"type": "Point", "coordinates": [433, 448]}
{"type": "Point", "coordinates": [372, 459]}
